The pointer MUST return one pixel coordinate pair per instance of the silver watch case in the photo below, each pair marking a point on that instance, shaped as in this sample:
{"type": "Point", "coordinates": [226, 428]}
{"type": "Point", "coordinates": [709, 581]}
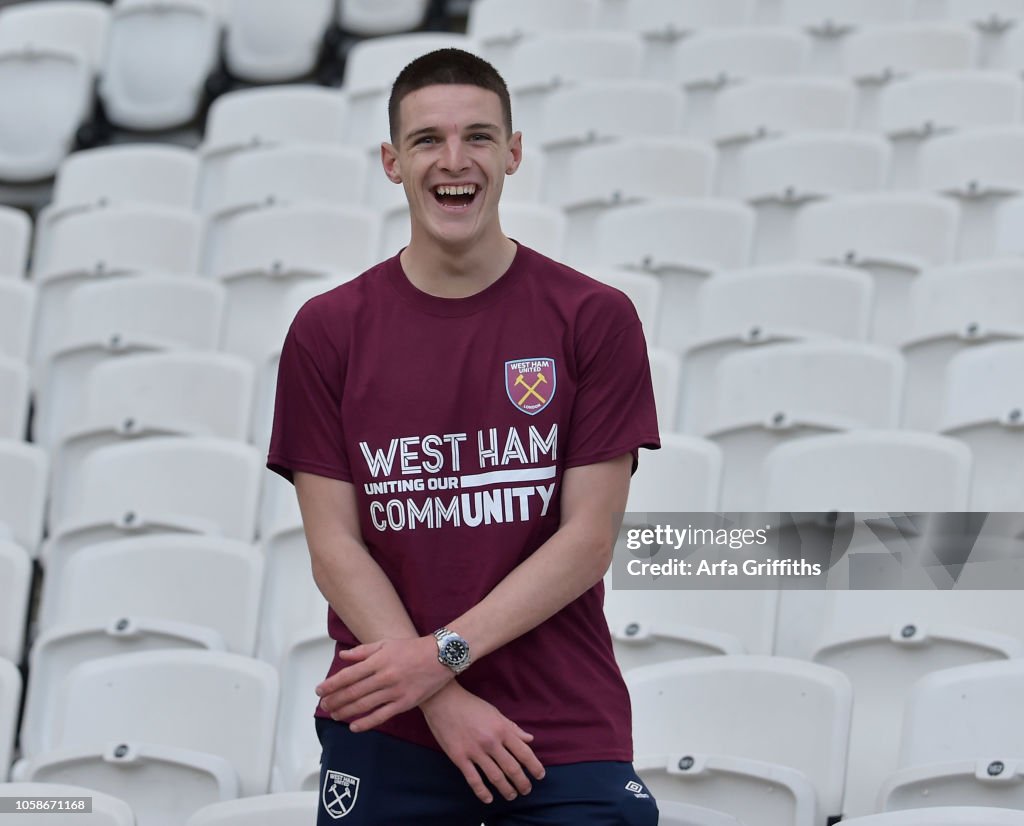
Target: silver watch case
{"type": "Point", "coordinates": [452, 650]}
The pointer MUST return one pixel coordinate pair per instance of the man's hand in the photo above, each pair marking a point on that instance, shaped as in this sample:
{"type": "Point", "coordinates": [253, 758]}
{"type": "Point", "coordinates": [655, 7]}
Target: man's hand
{"type": "Point", "coordinates": [385, 679]}
{"type": "Point", "coordinates": [480, 740]}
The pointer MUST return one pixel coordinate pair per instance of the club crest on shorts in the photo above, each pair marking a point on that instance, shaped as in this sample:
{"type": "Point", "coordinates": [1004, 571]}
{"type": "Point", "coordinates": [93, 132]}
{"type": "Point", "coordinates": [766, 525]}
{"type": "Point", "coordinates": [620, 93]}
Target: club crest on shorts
{"type": "Point", "coordinates": [530, 383]}
{"type": "Point", "coordinates": [339, 793]}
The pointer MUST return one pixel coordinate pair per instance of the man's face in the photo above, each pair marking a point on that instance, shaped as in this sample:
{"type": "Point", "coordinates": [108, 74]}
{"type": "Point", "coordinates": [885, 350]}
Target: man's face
{"type": "Point", "coordinates": [452, 155]}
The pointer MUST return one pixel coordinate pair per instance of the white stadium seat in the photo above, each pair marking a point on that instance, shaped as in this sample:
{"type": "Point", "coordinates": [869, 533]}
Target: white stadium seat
{"type": "Point", "coordinates": [78, 26]}
{"type": "Point", "coordinates": [893, 236]}
{"type": "Point", "coordinates": [498, 27]}
{"type": "Point", "coordinates": [829, 21]}
{"type": "Point", "coordinates": [984, 407]}
{"type": "Point", "coordinates": [211, 741]}
{"type": "Point", "coordinates": [158, 57]}
{"type": "Point", "coordinates": [371, 19]}
{"type": "Point", "coordinates": [266, 42]}
{"type": "Point", "coordinates": [770, 748]}
{"type": "Point", "coordinates": [538, 226]}
{"type": "Point", "coordinates": [953, 309]}
{"type": "Point", "coordinates": [643, 289]}
{"type": "Point", "coordinates": [665, 370]}
{"type": "Point", "coordinates": [15, 231]}
{"type": "Point", "coordinates": [17, 312]}
{"type": "Point", "coordinates": [24, 471]}
{"type": "Point", "coordinates": [14, 396]}
{"type": "Point", "coordinates": [943, 816]}
{"type": "Point", "coordinates": [711, 61]}
{"type": "Point", "coordinates": [769, 395]}
{"type": "Point", "coordinates": [959, 741]}
{"type": "Point", "coordinates": [683, 241]}
{"type": "Point", "coordinates": [16, 576]}
{"type": "Point", "coordinates": [115, 318]}
{"type": "Point", "coordinates": [10, 699]}
{"type": "Point", "coordinates": [760, 306]}
{"type": "Point", "coordinates": [779, 176]}
{"type": "Point", "coordinates": [683, 814]}
{"type": "Point", "coordinates": [281, 809]}
{"type": "Point", "coordinates": [107, 810]}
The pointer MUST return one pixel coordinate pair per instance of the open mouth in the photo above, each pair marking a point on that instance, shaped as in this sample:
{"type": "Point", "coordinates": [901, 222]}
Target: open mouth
{"type": "Point", "coordinates": [455, 197]}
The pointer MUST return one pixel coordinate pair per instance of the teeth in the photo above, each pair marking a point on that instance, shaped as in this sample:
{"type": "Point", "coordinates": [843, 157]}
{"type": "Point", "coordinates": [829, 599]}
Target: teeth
{"type": "Point", "coordinates": [468, 189]}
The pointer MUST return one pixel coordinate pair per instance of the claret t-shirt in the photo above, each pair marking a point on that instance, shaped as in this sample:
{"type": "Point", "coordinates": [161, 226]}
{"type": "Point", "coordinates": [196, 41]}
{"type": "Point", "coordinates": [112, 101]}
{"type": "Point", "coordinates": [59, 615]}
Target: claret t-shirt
{"type": "Point", "coordinates": [455, 419]}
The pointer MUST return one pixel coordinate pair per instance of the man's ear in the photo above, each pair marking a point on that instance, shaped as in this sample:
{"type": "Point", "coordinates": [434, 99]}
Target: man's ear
{"type": "Point", "coordinates": [389, 160]}
{"type": "Point", "coordinates": [515, 153]}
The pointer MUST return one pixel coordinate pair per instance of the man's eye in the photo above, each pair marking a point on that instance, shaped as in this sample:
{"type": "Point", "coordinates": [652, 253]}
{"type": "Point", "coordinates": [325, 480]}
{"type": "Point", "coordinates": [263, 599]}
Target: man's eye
{"type": "Point", "coordinates": [425, 139]}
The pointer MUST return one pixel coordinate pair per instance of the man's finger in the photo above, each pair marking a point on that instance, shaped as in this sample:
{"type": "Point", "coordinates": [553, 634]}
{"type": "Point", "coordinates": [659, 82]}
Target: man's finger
{"type": "Point", "coordinates": [360, 652]}
{"type": "Point", "coordinates": [469, 771]}
{"type": "Point", "coordinates": [527, 759]}
{"type": "Point", "coordinates": [494, 773]}
{"type": "Point", "coordinates": [381, 715]}
{"type": "Point", "coordinates": [345, 678]}
{"type": "Point", "coordinates": [361, 705]}
{"type": "Point", "coordinates": [513, 771]}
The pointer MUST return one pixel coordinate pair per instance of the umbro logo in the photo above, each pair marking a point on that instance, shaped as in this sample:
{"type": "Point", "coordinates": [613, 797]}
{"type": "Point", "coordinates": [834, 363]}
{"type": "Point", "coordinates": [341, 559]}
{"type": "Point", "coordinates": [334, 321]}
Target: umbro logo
{"type": "Point", "coordinates": [636, 789]}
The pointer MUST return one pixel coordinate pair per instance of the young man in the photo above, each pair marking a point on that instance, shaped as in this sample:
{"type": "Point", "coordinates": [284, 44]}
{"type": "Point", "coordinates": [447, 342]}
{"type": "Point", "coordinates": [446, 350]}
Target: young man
{"type": "Point", "coordinates": [460, 423]}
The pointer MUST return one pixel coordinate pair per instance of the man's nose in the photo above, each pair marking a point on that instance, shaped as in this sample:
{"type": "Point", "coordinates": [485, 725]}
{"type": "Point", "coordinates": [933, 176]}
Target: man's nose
{"type": "Point", "coordinates": [453, 158]}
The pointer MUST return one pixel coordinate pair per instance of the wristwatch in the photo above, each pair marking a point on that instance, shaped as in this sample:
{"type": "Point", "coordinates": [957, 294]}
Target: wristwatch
{"type": "Point", "coordinates": [452, 650]}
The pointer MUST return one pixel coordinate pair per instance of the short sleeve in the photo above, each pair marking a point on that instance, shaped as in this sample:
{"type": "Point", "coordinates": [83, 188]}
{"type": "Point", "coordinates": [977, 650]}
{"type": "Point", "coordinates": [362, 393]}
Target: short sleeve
{"type": "Point", "coordinates": [308, 434]}
{"type": "Point", "coordinates": [614, 411]}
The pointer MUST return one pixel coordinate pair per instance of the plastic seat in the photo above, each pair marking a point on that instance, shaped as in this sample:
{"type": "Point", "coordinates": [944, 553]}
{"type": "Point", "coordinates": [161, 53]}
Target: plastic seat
{"type": "Point", "coordinates": [15, 230]}
{"type": "Point", "coordinates": [97, 245]}
{"type": "Point", "coordinates": [290, 174]}
{"type": "Point", "coordinates": [267, 43]}
{"type": "Point", "coordinates": [664, 22]}
{"type": "Point", "coordinates": [538, 226]}
{"type": "Point", "coordinates": [263, 117]}
{"type": "Point", "coordinates": [603, 177]}
{"type": "Point", "coordinates": [47, 52]}
{"type": "Point", "coordinates": [24, 471]}
{"type": "Point", "coordinates": [125, 175]}
{"type": "Point", "coordinates": [541, 64]}
{"type": "Point", "coordinates": [984, 407]}
{"type": "Point", "coordinates": [297, 755]}
{"type": "Point", "coordinates": [16, 574]}
{"type": "Point", "coordinates": [291, 603]}
{"type": "Point", "coordinates": [743, 309]}
{"type": "Point", "coordinates": [281, 809]}
{"type": "Point", "coordinates": [954, 309]}
{"type": "Point", "coordinates": [995, 21]}
{"type": "Point", "coordinates": [192, 485]}
{"type": "Point", "coordinates": [770, 395]}
{"type": "Point", "coordinates": [868, 470]}
{"type": "Point", "coordinates": [761, 738]}
{"type": "Point", "coordinates": [17, 312]}
{"type": "Point", "coordinates": [211, 741]}
{"type": "Point", "coordinates": [106, 809]}
{"type": "Point", "coordinates": [876, 56]}
{"type": "Point", "coordinates": [769, 107]}
{"type": "Point", "coordinates": [960, 738]}
{"type": "Point", "coordinates": [10, 699]}
{"type": "Point", "coordinates": [778, 177]}
{"type": "Point", "coordinates": [643, 289]}
{"type": "Point", "coordinates": [367, 18]}
{"type": "Point", "coordinates": [14, 394]}
{"type": "Point", "coordinates": [665, 370]}
{"type": "Point", "coordinates": [711, 61]}
{"type": "Point", "coordinates": [913, 110]}
{"type": "Point", "coordinates": [683, 241]}
{"type": "Point", "coordinates": [178, 393]}
{"type": "Point", "coordinates": [498, 27]}
{"type": "Point", "coordinates": [979, 168]}
{"type": "Point", "coordinates": [117, 318]}
{"type": "Point", "coordinates": [157, 60]}
{"type": "Point", "coordinates": [893, 236]}
{"type": "Point", "coordinates": [595, 112]}
{"type": "Point", "coordinates": [885, 652]}
{"type": "Point", "coordinates": [258, 255]}
{"type": "Point", "coordinates": [683, 814]}
{"type": "Point", "coordinates": [830, 21]}
{"type": "Point", "coordinates": [943, 816]}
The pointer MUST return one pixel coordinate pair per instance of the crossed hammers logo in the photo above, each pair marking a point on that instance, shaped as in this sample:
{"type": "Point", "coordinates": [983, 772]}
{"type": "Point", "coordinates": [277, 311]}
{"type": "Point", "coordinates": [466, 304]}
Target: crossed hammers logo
{"type": "Point", "coordinates": [531, 389]}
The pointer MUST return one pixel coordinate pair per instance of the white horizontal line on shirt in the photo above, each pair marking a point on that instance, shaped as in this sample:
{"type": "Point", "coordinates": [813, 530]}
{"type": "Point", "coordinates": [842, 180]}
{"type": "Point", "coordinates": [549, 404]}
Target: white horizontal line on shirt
{"type": "Point", "coordinates": [530, 474]}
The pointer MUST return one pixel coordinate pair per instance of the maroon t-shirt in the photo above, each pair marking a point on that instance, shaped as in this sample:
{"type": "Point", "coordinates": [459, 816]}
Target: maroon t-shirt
{"type": "Point", "coordinates": [454, 419]}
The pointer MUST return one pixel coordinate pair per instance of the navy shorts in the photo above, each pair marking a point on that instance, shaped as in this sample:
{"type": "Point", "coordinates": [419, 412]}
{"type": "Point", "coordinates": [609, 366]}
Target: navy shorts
{"type": "Point", "coordinates": [374, 779]}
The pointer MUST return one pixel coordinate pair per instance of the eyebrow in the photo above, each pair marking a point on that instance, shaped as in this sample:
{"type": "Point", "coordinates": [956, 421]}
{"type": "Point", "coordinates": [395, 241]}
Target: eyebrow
{"type": "Point", "coordinates": [432, 130]}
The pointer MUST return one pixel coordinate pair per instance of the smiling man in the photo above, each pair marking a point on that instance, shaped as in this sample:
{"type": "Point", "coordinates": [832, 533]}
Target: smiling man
{"type": "Point", "coordinates": [461, 422]}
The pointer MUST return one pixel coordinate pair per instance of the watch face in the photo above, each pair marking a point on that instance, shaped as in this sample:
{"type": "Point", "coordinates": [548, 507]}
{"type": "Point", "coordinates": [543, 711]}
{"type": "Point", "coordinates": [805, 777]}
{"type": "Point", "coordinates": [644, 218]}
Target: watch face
{"type": "Point", "coordinates": [455, 651]}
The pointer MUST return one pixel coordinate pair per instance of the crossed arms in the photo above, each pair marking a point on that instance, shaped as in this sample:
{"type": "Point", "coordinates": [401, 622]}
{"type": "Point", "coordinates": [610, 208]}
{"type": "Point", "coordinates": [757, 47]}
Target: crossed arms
{"type": "Point", "coordinates": [396, 669]}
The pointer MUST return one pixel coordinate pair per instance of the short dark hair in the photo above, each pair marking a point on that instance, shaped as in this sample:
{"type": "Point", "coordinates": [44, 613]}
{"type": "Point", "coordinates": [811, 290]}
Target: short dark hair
{"type": "Point", "coordinates": [447, 66]}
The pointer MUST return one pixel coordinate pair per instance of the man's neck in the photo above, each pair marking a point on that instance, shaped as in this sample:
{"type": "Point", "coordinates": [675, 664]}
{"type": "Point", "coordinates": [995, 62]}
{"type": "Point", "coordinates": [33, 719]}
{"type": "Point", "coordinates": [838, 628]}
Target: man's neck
{"type": "Point", "coordinates": [455, 272]}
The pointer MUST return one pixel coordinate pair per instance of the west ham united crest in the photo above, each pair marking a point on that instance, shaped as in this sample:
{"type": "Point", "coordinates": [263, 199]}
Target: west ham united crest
{"type": "Point", "coordinates": [339, 793]}
{"type": "Point", "coordinates": [530, 383]}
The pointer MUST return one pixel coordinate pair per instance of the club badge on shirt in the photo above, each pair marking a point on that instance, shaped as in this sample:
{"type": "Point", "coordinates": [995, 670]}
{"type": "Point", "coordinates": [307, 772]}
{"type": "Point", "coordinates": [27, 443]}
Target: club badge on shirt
{"type": "Point", "coordinates": [530, 383]}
